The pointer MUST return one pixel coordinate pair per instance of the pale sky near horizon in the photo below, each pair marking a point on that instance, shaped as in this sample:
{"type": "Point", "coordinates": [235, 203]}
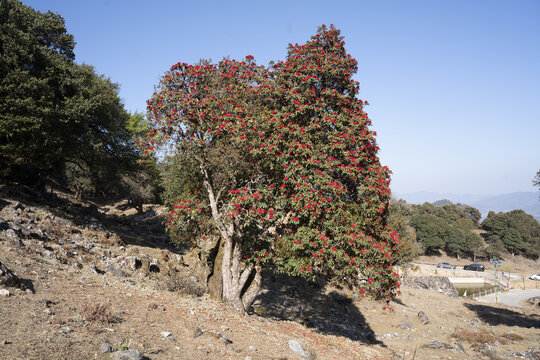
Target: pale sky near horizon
{"type": "Point", "coordinates": [453, 86]}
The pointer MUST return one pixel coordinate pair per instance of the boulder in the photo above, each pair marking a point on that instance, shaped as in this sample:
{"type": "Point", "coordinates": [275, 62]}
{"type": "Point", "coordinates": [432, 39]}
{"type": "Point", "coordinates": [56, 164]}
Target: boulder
{"type": "Point", "coordinates": [433, 283]}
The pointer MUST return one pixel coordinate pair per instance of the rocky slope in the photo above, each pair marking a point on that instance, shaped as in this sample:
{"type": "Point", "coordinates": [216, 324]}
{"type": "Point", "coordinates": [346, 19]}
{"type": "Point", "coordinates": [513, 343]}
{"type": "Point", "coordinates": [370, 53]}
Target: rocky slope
{"type": "Point", "coordinates": [81, 280]}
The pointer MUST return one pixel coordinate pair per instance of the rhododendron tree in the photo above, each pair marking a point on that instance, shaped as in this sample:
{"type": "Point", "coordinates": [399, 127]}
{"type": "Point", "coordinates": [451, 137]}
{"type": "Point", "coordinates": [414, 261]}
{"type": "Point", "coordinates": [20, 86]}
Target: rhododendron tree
{"type": "Point", "coordinates": [284, 168]}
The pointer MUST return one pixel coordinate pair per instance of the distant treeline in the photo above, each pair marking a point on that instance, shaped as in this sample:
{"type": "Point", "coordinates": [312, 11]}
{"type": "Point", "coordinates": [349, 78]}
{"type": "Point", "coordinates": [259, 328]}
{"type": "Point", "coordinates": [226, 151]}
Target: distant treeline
{"type": "Point", "coordinates": [456, 229]}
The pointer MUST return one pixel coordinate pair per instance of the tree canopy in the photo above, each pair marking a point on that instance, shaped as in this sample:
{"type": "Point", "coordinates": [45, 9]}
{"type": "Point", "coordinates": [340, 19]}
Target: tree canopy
{"type": "Point", "coordinates": [280, 164]}
{"type": "Point", "coordinates": [518, 231]}
{"type": "Point", "coordinates": [449, 227]}
{"type": "Point", "coordinates": [58, 119]}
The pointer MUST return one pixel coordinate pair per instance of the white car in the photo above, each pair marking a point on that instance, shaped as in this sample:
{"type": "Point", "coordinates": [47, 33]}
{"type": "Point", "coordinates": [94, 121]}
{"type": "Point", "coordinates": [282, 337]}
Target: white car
{"type": "Point", "coordinates": [535, 277]}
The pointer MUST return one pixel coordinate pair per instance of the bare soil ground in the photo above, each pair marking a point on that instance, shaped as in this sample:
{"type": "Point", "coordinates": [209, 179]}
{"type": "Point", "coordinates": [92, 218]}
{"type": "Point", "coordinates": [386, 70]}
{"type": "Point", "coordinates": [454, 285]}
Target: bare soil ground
{"type": "Point", "coordinates": [87, 279]}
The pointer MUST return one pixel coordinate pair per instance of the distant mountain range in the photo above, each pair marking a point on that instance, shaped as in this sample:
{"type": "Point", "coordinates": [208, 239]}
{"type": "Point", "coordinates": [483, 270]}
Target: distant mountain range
{"type": "Point", "coordinates": [526, 201]}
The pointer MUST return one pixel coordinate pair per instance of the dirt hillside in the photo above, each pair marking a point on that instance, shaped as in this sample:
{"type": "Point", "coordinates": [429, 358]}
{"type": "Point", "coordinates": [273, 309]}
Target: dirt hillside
{"type": "Point", "coordinates": [81, 280]}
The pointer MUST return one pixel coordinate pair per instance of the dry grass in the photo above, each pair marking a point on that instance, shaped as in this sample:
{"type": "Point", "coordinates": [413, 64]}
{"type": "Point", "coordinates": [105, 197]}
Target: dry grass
{"type": "Point", "coordinates": [484, 337]}
{"type": "Point", "coordinates": [185, 286]}
{"type": "Point", "coordinates": [98, 313]}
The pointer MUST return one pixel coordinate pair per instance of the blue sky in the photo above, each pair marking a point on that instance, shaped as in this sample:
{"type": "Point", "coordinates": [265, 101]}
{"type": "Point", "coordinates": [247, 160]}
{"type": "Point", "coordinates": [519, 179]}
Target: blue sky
{"type": "Point", "coordinates": [453, 86]}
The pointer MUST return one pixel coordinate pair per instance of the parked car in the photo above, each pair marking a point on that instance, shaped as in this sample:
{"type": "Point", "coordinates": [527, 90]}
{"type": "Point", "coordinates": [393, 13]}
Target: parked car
{"type": "Point", "coordinates": [474, 267]}
{"type": "Point", "coordinates": [535, 277]}
{"type": "Point", "coordinates": [446, 266]}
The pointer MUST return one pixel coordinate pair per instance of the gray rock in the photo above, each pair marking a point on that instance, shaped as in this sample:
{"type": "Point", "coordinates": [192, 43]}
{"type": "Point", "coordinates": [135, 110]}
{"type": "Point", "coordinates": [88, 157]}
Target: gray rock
{"type": "Point", "coordinates": [298, 348]}
{"type": "Point", "coordinates": [387, 336]}
{"type": "Point", "coordinates": [535, 301]}
{"type": "Point", "coordinates": [8, 278]}
{"type": "Point", "coordinates": [433, 283]}
{"type": "Point", "coordinates": [439, 345]}
{"type": "Point", "coordinates": [405, 325]}
{"type": "Point", "coordinates": [459, 346]}
{"type": "Point", "coordinates": [130, 354]}
{"type": "Point", "coordinates": [50, 254]}
{"type": "Point", "coordinates": [217, 334]}
{"type": "Point", "coordinates": [116, 271]}
{"type": "Point", "coordinates": [10, 234]}
{"type": "Point", "coordinates": [105, 348]}
{"type": "Point", "coordinates": [423, 318]}
{"type": "Point", "coordinates": [532, 353]}
{"type": "Point", "coordinates": [489, 351]}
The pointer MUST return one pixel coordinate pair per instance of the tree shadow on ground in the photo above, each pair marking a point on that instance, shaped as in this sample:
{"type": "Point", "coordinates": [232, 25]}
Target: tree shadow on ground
{"type": "Point", "coordinates": [115, 218]}
{"type": "Point", "coordinates": [398, 301]}
{"type": "Point", "coordinates": [3, 204]}
{"type": "Point", "coordinates": [146, 229]}
{"type": "Point", "coordinates": [9, 279]}
{"type": "Point", "coordinates": [498, 316]}
{"type": "Point", "coordinates": [284, 297]}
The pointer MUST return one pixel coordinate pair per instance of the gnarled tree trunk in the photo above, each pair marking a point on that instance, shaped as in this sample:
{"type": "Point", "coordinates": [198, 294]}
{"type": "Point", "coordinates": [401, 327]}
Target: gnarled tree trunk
{"type": "Point", "coordinates": [240, 286]}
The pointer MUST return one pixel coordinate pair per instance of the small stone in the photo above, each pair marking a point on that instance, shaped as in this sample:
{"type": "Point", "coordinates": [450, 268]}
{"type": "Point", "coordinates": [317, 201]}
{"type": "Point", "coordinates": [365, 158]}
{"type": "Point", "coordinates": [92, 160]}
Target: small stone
{"type": "Point", "coordinates": [130, 354]}
{"type": "Point", "coordinates": [405, 325]}
{"type": "Point", "coordinates": [66, 330]}
{"type": "Point", "coordinates": [248, 358]}
{"type": "Point", "coordinates": [224, 328]}
{"type": "Point", "coordinates": [298, 348]}
{"type": "Point", "coordinates": [4, 292]}
{"type": "Point", "coordinates": [165, 334]}
{"type": "Point", "coordinates": [105, 348]}
{"type": "Point", "coordinates": [459, 346]}
{"type": "Point", "coordinates": [253, 348]}
{"type": "Point", "coordinates": [438, 345]}
{"type": "Point", "coordinates": [198, 332]}
{"type": "Point", "coordinates": [423, 318]}
{"type": "Point", "coordinates": [489, 351]}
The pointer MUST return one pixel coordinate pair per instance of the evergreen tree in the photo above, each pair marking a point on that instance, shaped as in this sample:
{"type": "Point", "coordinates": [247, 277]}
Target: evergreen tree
{"type": "Point", "coordinates": [58, 120]}
{"type": "Point", "coordinates": [36, 55]}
